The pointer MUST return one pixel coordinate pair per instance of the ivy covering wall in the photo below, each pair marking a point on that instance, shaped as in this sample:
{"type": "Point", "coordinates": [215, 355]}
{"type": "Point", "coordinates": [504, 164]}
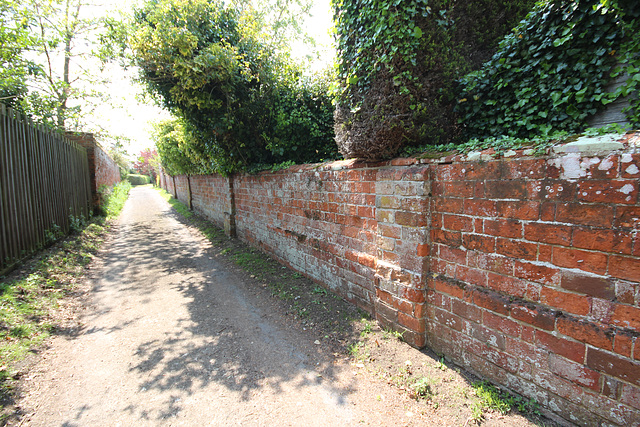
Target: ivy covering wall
{"type": "Point", "coordinates": [551, 73]}
{"type": "Point", "coordinates": [398, 63]}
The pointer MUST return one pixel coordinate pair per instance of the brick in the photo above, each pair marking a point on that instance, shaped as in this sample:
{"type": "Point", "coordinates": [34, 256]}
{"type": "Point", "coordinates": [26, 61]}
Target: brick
{"type": "Point", "coordinates": [480, 207]}
{"type": "Point", "coordinates": [455, 288]}
{"type": "Point", "coordinates": [391, 231]}
{"type": "Point", "coordinates": [457, 222]}
{"type": "Point", "coordinates": [484, 335]}
{"type": "Point", "coordinates": [491, 301]}
{"type": "Point", "coordinates": [537, 273]}
{"type": "Point", "coordinates": [506, 189]}
{"type": "Point", "coordinates": [479, 242]}
{"type": "Point", "coordinates": [545, 253]}
{"type": "Point", "coordinates": [623, 344]}
{"type": "Point", "coordinates": [554, 234]}
{"type": "Point", "coordinates": [593, 215]}
{"type": "Point", "coordinates": [561, 346]}
{"type": "Point", "coordinates": [627, 217]}
{"type": "Point", "coordinates": [564, 301]}
{"type": "Point", "coordinates": [446, 318]}
{"type": "Point", "coordinates": [625, 292]}
{"type": "Point", "coordinates": [506, 285]}
{"type": "Point", "coordinates": [417, 296]}
{"type": "Point", "coordinates": [517, 249]}
{"type": "Point", "coordinates": [611, 387]}
{"type": "Point", "coordinates": [466, 311]}
{"type": "Point", "coordinates": [503, 228]}
{"type": "Point", "coordinates": [471, 276]}
{"type": "Point", "coordinates": [533, 315]}
{"type": "Point", "coordinates": [411, 219]}
{"type": "Point", "coordinates": [625, 267]}
{"type": "Point", "coordinates": [527, 352]}
{"type": "Point", "coordinates": [574, 372]}
{"type": "Point", "coordinates": [626, 316]}
{"type": "Point", "coordinates": [613, 365]}
{"type": "Point", "coordinates": [630, 166]}
{"type": "Point", "coordinates": [453, 254]}
{"type": "Point", "coordinates": [587, 332]}
{"type": "Point", "coordinates": [522, 210]}
{"type": "Point", "coordinates": [559, 190]}
{"type": "Point", "coordinates": [594, 262]}
{"type": "Point", "coordinates": [602, 240]}
{"type": "Point", "coordinates": [608, 191]}
{"type": "Point", "coordinates": [422, 250]}
{"type": "Point", "coordinates": [491, 262]}
{"type": "Point", "coordinates": [548, 212]}
{"type": "Point", "coordinates": [589, 284]}
{"type": "Point", "coordinates": [525, 169]}
{"type": "Point", "coordinates": [450, 238]}
{"type": "Point", "coordinates": [448, 204]}
{"type": "Point", "coordinates": [630, 395]}
{"type": "Point", "coordinates": [457, 189]}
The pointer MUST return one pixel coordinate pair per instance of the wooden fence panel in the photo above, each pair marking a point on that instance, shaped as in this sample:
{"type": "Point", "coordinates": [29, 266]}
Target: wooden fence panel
{"type": "Point", "coordinates": [44, 181]}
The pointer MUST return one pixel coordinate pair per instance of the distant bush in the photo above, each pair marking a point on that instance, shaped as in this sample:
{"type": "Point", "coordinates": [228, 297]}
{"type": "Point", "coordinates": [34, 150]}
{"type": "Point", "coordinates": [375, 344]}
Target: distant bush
{"type": "Point", "coordinates": [135, 179]}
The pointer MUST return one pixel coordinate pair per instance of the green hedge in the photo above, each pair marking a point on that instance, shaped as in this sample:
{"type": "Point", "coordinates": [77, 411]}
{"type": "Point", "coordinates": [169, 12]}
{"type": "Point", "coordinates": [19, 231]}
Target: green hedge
{"type": "Point", "coordinates": [138, 179]}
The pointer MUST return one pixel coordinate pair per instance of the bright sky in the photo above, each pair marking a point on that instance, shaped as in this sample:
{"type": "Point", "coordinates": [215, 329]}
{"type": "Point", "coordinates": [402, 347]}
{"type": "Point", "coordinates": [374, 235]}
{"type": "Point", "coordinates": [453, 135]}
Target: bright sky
{"type": "Point", "coordinates": [126, 116]}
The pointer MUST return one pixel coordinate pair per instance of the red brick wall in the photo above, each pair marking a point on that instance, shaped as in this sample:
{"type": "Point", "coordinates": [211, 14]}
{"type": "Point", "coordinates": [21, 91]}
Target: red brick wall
{"type": "Point", "coordinates": [522, 269]}
{"type": "Point", "coordinates": [104, 171]}
{"type": "Point", "coordinates": [319, 221]}
{"type": "Point", "coordinates": [535, 273]}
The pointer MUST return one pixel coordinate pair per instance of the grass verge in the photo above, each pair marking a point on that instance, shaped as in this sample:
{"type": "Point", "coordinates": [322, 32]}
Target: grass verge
{"type": "Point", "coordinates": [31, 296]}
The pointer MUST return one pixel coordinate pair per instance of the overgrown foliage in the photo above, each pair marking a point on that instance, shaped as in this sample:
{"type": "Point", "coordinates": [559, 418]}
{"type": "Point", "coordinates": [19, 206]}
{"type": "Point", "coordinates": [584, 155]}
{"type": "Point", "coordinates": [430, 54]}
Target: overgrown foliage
{"type": "Point", "coordinates": [550, 73]}
{"type": "Point", "coordinates": [398, 61]}
{"type": "Point", "coordinates": [240, 101]}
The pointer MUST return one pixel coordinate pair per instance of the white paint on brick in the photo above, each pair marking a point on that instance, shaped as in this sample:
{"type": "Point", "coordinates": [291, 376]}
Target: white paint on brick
{"type": "Point", "coordinates": [626, 189]}
{"type": "Point", "coordinates": [626, 158]}
{"type": "Point", "coordinates": [606, 164]}
{"type": "Point", "coordinates": [570, 165]}
{"type": "Point", "coordinates": [632, 170]}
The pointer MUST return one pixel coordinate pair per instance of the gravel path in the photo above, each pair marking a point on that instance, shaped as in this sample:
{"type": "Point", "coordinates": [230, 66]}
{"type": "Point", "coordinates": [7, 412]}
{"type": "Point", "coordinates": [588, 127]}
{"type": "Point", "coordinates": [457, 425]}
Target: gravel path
{"type": "Point", "coordinates": [170, 337]}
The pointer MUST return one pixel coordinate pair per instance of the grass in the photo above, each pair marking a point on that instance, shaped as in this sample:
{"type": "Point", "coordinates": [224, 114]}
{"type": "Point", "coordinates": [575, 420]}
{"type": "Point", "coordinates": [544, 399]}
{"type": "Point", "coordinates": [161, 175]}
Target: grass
{"type": "Point", "coordinates": [30, 298]}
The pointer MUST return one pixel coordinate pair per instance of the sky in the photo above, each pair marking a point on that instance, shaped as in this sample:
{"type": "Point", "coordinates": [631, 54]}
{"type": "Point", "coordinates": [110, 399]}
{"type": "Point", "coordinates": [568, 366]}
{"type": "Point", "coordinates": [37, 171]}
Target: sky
{"type": "Point", "coordinates": [125, 115]}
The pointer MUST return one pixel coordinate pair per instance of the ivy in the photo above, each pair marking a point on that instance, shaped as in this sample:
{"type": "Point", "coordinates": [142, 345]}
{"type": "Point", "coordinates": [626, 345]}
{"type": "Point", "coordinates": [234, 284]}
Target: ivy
{"type": "Point", "coordinates": [550, 74]}
{"type": "Point", "coordinates": [397, 64]}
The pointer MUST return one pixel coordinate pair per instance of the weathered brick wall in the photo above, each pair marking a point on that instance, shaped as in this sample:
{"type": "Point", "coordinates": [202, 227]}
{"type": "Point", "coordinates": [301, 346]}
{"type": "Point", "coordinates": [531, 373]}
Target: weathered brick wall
{"type": "Point", "coordinates": [319, 221]}
{"type": "Point", "coordinates": [535, 279]}
{"type": "Point", "coordinates": [103, 170]}
{"type": "Point", "coordinates": [525, 270]}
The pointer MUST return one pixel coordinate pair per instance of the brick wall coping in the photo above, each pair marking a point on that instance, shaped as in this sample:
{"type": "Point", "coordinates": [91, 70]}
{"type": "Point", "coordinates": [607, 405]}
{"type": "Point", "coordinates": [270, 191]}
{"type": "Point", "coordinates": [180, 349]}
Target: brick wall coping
{"type": "Point", "coordinates": [586, 146]}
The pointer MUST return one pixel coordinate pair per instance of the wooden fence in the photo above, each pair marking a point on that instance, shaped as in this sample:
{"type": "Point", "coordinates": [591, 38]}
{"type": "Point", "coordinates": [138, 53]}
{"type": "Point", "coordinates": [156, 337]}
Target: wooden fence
{"type": "Point", "coordinates": [44, 182]}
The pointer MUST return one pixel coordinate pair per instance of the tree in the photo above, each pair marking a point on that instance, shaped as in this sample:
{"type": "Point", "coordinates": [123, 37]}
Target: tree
{"type": "Point", "coordinates": [147, 163]}
{"type": "Point", "coordinates": [209, 64]}
{"type": "Point", "coordinates": [15, 39]}
{"type": "Point", "coordinates": [52, 54]}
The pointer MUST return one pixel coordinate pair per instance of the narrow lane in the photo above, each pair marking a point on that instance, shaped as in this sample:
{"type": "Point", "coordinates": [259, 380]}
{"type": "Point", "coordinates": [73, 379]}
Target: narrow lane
{"type": "Point", "coordinates": [172, 338]}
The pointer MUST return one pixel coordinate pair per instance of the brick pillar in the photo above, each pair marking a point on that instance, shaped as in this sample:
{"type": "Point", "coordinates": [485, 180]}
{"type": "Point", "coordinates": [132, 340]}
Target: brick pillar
{"type": "Point", "coordinates": [402, 212]}
{"type": "Point", "coordinates": [230, 210]}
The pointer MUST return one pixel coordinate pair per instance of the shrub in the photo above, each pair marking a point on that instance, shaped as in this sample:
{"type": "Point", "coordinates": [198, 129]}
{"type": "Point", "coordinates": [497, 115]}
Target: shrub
{"type": "Point", "coordinates": [135, 179]}
{"type": "Point", "coordinates": [239, 101]}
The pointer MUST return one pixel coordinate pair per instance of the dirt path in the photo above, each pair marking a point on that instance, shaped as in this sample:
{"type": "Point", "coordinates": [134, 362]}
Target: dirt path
{"type": "Point", "coordinates": [171, 337]}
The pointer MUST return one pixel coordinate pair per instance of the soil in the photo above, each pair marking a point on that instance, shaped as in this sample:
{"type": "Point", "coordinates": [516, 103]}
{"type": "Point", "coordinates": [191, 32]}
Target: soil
{"type": "Point", "coordinates": [179, 327]}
